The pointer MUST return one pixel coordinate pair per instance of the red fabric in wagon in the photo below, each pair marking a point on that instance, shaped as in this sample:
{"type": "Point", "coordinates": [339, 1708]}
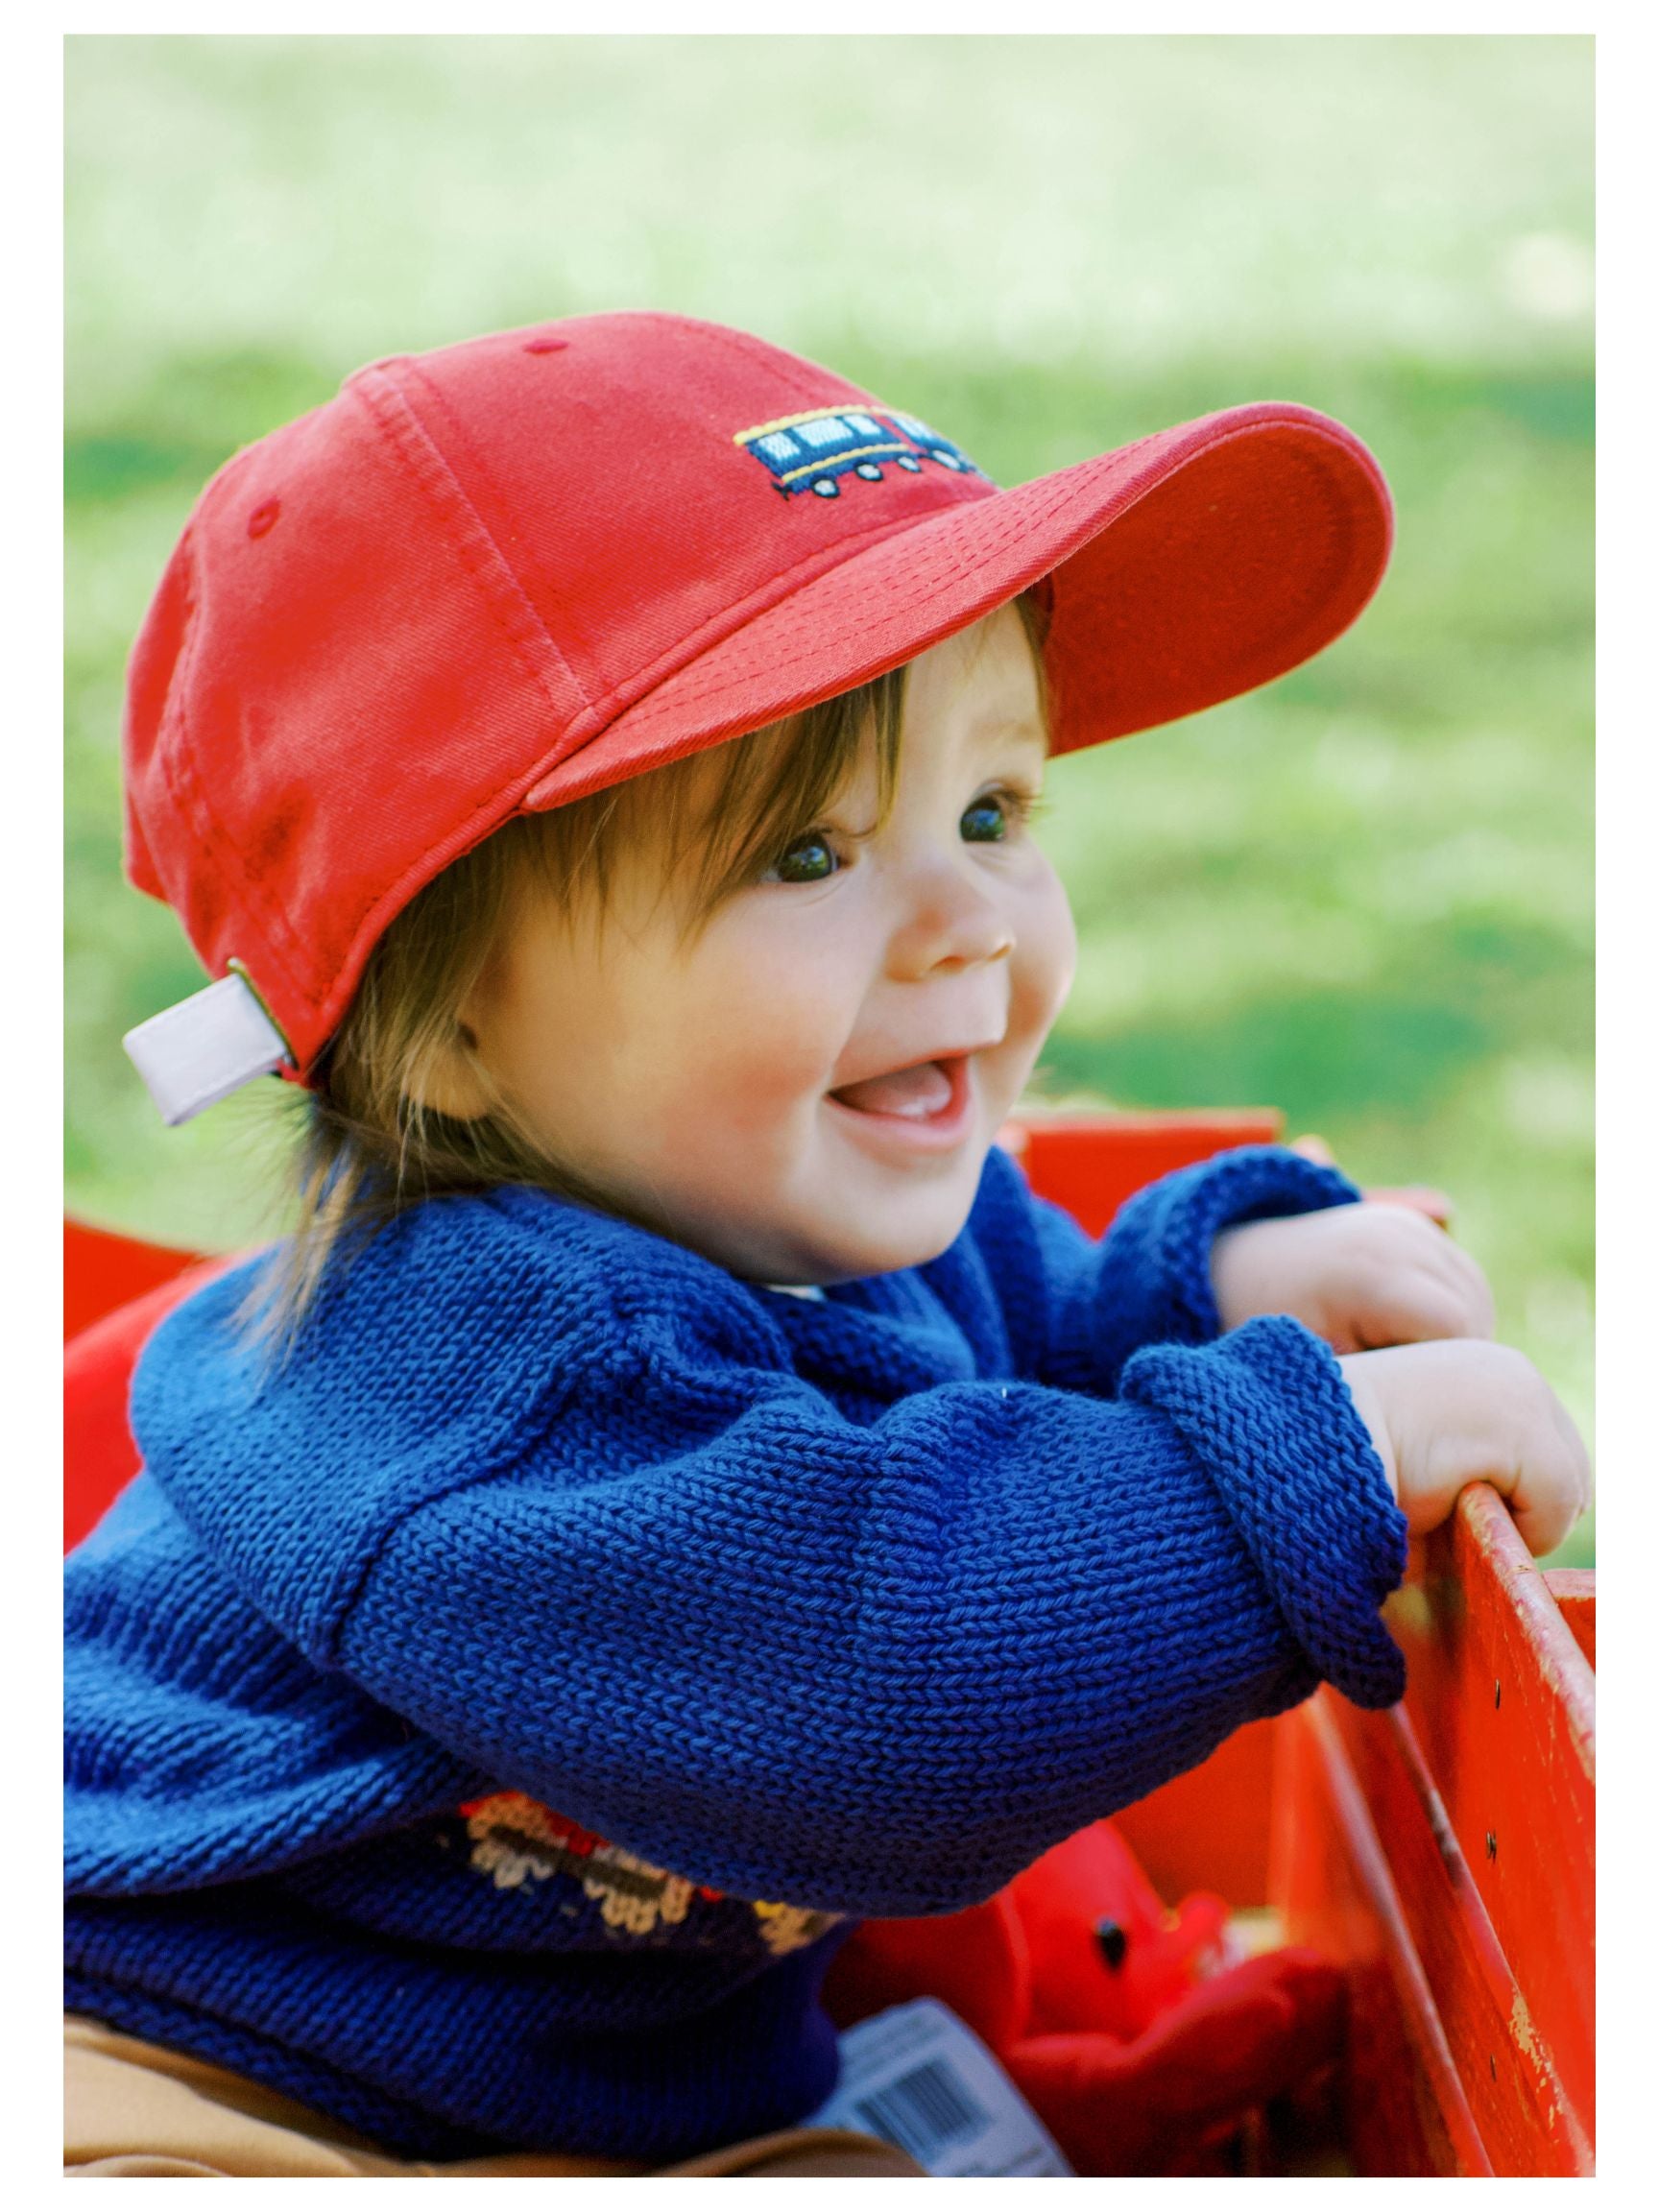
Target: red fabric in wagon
{"type": "Point", "coordinates": [1141, 2047]}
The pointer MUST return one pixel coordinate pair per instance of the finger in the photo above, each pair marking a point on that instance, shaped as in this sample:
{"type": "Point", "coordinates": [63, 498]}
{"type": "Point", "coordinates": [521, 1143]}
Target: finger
{"type": "Point", "coordinates": [1452, 1255]}
{"type": "Point", "coordinates": [1482, 1309]}
{"type": "Point", "coordinates": [1467, 1279]}
{"type": "Point", "coordinates": [1417, 1308]}
{"type": "Point", "coordinates": [1460, 1254]}
{"type": "Point", "coordinates": [1549, 1486]}
{"type": "Point", "coordinates": [1435, 1254]}
{"type": "Point", "coordinates": [1415, 1198]}
{"type": "Point", "coordinates": [1405, 1231]}
{"type": "Point", "coordinates": [1578, 1452]}
{"type": "Point", "coordinates": [1542, 1523]}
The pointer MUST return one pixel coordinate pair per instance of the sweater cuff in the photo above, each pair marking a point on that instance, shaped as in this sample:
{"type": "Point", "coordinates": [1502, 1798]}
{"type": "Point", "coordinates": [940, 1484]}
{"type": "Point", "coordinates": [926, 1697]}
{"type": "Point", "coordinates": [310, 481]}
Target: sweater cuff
{"type": "Point", "coordinates": [1268, 1416]}
{"type": "Point", "coordinates": [1174, 1224]}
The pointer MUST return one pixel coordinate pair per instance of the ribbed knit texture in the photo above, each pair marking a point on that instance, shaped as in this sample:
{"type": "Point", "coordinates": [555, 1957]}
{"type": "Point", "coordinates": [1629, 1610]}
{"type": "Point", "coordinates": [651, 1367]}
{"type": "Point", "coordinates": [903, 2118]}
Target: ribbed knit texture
{"type": "Point", "coordinates": [441, 1703]}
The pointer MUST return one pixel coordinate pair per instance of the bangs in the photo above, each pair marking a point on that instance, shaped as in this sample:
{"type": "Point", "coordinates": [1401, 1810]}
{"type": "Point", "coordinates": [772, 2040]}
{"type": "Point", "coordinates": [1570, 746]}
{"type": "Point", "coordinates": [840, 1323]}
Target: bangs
{"type": "Point", "coordinates": [722, 817]}
{"type": "Point", "coordinates": [717, 820]}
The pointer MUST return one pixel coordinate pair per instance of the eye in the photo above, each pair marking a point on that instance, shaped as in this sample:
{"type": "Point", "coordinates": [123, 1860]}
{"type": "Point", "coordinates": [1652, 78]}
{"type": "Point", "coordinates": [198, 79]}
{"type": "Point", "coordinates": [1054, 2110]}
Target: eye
{"type": "Point", "coordinates": [808, 860]}
{"type": "Point", "coordinates": [992, 816]}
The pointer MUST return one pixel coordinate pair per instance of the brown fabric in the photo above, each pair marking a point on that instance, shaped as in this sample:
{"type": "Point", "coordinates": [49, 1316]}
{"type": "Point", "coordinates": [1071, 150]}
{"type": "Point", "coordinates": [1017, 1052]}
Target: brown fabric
{"type": "Point", "coordinates": [132, 2107]}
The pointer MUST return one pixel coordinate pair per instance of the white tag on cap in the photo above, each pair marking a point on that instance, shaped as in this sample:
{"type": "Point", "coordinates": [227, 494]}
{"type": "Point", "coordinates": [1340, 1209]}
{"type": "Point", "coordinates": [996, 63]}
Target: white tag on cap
{"type": "Point", "coordinates": [918, 2076]}
{"type": "Point", "coordinates": [207, 1047]}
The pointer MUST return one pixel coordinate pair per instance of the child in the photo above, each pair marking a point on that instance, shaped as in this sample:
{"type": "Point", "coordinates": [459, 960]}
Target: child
{"type": "Point", "coordinates": [677, 1490]}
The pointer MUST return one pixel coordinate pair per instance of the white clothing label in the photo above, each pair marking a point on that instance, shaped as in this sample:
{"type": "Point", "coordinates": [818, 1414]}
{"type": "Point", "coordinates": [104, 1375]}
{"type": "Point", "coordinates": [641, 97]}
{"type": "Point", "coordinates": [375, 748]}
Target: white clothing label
{"type": "Point", "coordinates": [919, 2077]}
{"type": "Point", "coordinates": [207, 1047]}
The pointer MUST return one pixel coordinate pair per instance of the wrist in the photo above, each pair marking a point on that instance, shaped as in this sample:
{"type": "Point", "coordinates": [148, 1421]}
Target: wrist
{"type": "Point", "coordinates": [1358, 1375]}
{"type": "Point", "coordinates": [1255, 1270]}
{"type": "Point", "coordinates": [1180, 1221]}
{"type": "Point", "coordinates": [1231, 1275]}
{"type": "Point", "coordinates": [1269, 1415]}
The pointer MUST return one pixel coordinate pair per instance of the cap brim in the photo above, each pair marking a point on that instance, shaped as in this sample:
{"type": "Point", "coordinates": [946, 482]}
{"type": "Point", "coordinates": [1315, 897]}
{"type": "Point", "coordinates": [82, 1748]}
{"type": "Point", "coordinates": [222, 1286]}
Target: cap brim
{"type": "Point", "coordinates": [1187, 567]}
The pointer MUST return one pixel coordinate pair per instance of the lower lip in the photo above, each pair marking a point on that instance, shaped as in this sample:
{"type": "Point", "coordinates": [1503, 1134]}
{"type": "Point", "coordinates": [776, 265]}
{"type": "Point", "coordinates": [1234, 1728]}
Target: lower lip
{"type": "Point", "coordinates": [914, 1133]}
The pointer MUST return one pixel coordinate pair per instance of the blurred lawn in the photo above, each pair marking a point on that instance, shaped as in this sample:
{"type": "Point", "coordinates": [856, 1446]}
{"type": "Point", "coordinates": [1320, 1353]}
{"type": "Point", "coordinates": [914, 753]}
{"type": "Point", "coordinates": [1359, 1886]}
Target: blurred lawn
{"type": "Point", "coordinates": [1364, 895]}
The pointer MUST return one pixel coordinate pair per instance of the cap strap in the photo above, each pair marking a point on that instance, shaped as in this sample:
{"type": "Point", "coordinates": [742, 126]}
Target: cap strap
{"type": "Point", "coordinates": [209, 1044]}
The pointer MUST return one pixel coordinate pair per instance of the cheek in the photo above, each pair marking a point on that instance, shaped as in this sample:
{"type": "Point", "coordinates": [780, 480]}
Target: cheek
{"type": "Point", "coordinates": [541, 1029]}
{"type": "Point", "coordinates": [1045, 960]}
{"type": "Point", "coordinates": [760, 1015]}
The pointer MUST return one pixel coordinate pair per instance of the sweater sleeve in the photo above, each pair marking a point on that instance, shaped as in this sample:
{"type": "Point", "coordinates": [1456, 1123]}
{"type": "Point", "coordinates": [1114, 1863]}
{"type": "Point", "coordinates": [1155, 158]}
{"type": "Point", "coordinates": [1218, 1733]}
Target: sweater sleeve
{"type": "Point", "coordinates": [1077, 1308]}
{"type": "Point", "coordinates": [879, 1667]}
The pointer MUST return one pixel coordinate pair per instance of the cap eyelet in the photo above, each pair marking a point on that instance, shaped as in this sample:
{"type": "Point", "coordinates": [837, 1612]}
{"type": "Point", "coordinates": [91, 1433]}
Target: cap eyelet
{"type": "Point", "coordinates": [264, 518]}
{"type": "Point", "coordinates": [546, 344]}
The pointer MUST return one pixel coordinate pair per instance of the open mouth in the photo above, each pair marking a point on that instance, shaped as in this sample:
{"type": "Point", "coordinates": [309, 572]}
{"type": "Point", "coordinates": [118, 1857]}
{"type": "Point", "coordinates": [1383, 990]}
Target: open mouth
{"type": "Point", "coordinates": [930, 1100]}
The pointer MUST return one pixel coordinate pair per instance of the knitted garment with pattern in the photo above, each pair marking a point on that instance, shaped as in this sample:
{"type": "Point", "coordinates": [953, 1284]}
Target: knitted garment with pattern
{"type": "Point", "coordinates": [482, 1727]}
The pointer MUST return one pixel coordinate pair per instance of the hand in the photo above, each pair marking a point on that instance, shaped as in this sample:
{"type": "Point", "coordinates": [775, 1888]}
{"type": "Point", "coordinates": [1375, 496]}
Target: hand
{"type": "Point", "coordinates": [1445, 1415]}
{"type": "Point", "coordinates": [1380, 1272]}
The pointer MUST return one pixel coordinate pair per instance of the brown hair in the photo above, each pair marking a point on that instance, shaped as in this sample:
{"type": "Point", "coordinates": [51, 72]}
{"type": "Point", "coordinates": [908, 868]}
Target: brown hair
{"type": "Point", "coordinates": [371, 1147]}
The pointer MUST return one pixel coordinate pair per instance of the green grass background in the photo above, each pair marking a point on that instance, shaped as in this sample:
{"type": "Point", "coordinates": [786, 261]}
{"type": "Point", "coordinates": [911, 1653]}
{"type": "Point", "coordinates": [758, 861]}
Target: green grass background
{"type": "Point", "coordinates": [1362, 895]}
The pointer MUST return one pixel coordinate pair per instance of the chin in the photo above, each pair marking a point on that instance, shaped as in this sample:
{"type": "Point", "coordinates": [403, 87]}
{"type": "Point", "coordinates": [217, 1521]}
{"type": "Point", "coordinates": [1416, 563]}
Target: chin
{"type": "Point", "coordinates": [911, 1245]}
{"type": "Point", "coordinates": [840, 1228]}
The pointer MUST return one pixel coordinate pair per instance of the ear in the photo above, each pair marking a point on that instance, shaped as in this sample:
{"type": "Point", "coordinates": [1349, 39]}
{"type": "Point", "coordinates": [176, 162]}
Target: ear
{"type": "Point", "coordinates": [451, 1081]}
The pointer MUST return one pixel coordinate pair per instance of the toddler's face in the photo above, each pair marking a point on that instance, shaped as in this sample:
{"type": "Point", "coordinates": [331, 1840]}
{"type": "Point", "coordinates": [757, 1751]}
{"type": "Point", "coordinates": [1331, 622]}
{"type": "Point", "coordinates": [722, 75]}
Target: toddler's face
{"type": "Point", "coordinates": [805, 1089]}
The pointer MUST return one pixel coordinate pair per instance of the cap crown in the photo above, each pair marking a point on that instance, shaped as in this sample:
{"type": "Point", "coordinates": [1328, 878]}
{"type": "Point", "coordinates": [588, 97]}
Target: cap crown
{"type": "Point", "coordinates": [386, 621]}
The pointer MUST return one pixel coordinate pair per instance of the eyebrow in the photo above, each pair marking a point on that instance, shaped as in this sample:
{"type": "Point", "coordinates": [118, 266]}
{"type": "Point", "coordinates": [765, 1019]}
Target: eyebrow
{"type": "Point", "coordinates": [1018, 729]}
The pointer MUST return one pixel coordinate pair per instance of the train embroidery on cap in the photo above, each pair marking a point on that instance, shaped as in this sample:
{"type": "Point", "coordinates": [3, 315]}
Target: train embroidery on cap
{"type": "Point", "coordinates": [812, 452]}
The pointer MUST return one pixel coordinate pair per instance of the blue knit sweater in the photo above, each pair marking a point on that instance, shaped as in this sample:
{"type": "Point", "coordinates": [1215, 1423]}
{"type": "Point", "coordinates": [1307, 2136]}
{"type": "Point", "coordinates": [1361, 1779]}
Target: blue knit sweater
{"type": "Point", "coordinates": [482, 1727]}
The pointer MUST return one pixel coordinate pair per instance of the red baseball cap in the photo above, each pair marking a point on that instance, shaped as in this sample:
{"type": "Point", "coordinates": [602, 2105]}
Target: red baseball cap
{"type": "Point", "coordinates": [486, 580]}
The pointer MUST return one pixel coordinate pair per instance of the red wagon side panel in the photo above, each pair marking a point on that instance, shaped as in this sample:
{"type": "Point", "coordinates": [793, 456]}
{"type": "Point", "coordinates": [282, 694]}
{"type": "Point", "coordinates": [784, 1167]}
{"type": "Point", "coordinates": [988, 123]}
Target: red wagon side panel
{"type": "Point", "coordinates": [1092, 1163]}
{"type": "Point", "coordinates": [103, 1270]}
{"type": "Point", "coordinates": [100, 1457]}
{"type": "Point", "coordinates": [1445, 1852]}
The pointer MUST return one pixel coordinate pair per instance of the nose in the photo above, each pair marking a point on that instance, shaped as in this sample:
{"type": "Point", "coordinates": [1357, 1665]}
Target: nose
{"type": "Point", "coordinates": [949, 922]}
